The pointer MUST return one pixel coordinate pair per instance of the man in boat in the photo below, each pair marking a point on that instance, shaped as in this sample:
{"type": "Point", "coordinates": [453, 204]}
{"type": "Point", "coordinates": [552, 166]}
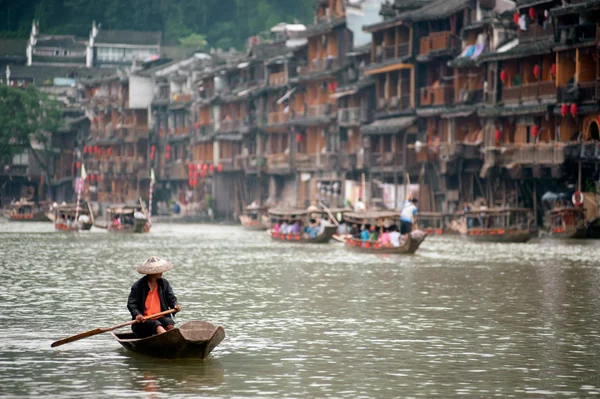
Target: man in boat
{"type": "Point", "coordinates": [407, 215]}
{"type": "Point", "coordinates": [150, 295]}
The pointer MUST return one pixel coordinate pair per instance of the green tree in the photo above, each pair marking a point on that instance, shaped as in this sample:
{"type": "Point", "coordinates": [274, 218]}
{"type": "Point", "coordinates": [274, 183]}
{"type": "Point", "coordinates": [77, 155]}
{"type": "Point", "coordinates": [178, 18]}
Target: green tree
{"type": "Point", "coordinates": [27, 118]}
{"type": "Point", "coordinates": [194, 40]}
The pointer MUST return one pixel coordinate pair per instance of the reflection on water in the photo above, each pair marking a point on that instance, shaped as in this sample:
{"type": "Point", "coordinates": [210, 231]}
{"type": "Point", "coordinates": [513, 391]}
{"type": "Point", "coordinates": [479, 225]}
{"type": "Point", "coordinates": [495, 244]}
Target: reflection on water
{"type": "Point", "coordinates": [457, 319]}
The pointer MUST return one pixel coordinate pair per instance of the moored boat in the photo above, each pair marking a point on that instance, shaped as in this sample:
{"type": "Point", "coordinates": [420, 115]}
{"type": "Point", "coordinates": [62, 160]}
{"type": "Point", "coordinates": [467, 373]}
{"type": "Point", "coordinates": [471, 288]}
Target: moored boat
{"type": "Point", "coordinates": [291, 216]}
{"type": "Point", "coordinates": [128, 218]}
{"type": "Point", "coordinates": [64, 217]}
{"type": "Point", "coordinates": [194, 339]}
{"type": "Point", "coordinates": [255, 218]}
{"type": "Point", "coordinates": [380, 219]}
{"type": "Point", "coordinates": [502, 225]}
{"type": "Point", "coordinates": [27, 211]}
{"type": "Point", "coordinates": [567, 223]}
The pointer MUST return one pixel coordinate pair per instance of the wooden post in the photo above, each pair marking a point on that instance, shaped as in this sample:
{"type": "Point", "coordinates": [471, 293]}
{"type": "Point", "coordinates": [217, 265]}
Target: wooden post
{"type": "Point", "coordinates": [535, 201]}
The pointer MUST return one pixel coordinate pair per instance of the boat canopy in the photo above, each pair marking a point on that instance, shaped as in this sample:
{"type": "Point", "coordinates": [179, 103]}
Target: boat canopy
{"type": "Point", "coordinates": [288, 213]}
{"type": "Point", "coordinates": [497, 211]}
{"type": "Point", "coordinates": [363, 217]}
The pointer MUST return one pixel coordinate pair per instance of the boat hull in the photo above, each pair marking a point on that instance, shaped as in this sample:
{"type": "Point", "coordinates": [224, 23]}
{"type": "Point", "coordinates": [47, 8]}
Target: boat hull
{"type": "Point", "coordinates": [507, 237]}
{"type": "Point", "coordinates": [194, 339]}
{"type": "Point", "coordinates": [415, 239]}
{"type": "Point", "coordinates": [323, 238]}
{"type": "Point", "coordinates": [31, 217]}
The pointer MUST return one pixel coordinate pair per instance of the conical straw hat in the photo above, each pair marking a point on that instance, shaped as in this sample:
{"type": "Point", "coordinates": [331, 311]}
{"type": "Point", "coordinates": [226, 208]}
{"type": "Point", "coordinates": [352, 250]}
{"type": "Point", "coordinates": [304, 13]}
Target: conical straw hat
{"type": "Point", "coordinates": [154, 265]}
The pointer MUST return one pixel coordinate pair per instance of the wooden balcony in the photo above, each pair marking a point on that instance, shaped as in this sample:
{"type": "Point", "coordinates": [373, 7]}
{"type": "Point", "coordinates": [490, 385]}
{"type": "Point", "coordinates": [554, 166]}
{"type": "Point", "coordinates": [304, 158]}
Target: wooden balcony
{"type": "Point", "coordinates": [277, 79]}
{"type": "Point", "coordinates": [181, 97]}
{"type": "Point", "coordinates": [320, 65]}
{"type": "Point", "coordinates": [535, 32]}
{"type": "Point", "coordinates": [390, 52]}
{"type": "Point", "coordinates": [539, 154]}
{"type": "Point", "coordinates": [529, 92]}
{"type": "Point", "coordinates": [438, 41]}
{"type": "Point", "coordinates": [439, 95]}
{"type": "Point", "coordinates": [278, 162]}
{"type": "Point", "coordinates": [386, 160]}
{"type": "Point", "coordinates": [276, 118]}
{"type": "Point", "coordinates": [349, 116]}
{"type": "Point", "coordinates": [230, 125]}
{"type": "Point", "coordinates": [319, 111]}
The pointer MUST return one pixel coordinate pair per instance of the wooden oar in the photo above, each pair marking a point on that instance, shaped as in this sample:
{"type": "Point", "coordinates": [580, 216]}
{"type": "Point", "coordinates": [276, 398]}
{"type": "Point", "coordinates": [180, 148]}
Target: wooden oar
{"type": "Point", "coordinates": [106, 329]}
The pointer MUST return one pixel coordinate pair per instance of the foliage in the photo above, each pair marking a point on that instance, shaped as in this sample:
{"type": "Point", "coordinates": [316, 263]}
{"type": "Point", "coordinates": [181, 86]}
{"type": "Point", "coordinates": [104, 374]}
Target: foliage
{"type": "Point", "coordinates": [194, 41]}
{"type": "Point", "coordinates": [26, 116]}
{"type": "Point", "coordinates": [221, 22]}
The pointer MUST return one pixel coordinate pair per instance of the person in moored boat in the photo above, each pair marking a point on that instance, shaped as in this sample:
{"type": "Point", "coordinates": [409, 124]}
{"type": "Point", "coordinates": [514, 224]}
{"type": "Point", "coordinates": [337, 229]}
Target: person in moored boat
{"type": "Point", "coordinates": [384, 238]}
{"type": "Point", "coordinates": [150, 295]}
{"type": "Point", "coordinates": [284, 228]}
{"type": "Point", "coordinates": [312, 230]}
{"type": "Point", "coordinates": [296, 228]}
{"type": "Point", "coordinates": [364, 234]}
{"type": "Point", "coordinates": [394, 236]}
{"type": "Point", "coordinates": [373, 233]}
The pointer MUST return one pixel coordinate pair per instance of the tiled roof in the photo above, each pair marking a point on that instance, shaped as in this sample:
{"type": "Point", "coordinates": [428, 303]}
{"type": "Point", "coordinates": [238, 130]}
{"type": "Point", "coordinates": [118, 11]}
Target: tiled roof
{"type": "Point", "coordinates": [323, 27]}
{"type": "Point", "coordinates": [576, 8]}
{"type": "Point", "coordinates": [543, 46]}
{"type": "Point", "coordinates": [13, 47]}
{"type": "Point", "coordinates": [58, 60]}
{"type": "Point", "coordinates": [439, 9]}
{"type": "Point", "coordinates": [388, 126]}
{"type": "Point", "coordinates": [132, 37]}
{"type": "Point", "coordinates": [64, 42]}
{"type": "Point", "coordinates": [45, 74]}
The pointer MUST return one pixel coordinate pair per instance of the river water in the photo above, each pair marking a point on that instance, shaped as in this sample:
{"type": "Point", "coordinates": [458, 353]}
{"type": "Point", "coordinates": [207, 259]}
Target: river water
{"type": "Point", "coordinates": [455, 320]}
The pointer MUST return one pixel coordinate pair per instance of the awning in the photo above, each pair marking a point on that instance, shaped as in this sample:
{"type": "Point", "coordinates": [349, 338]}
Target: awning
{"type": "Point", "coordinates": [388, 126]}
{"type": "Point", "coordinates": [343, 93]}
{"type": "Point", "coordinates": [286, 96]}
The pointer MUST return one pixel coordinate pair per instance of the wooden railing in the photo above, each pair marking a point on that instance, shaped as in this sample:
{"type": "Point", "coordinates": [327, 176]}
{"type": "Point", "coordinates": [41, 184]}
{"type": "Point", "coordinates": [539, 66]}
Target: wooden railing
{"type": "Point", "coordinates": [319, 65]}
{"type": "Point", "coordinates": [349, 116]}
{"type": "Point", "coordinates": [529, 92]}
{"type": "Point", "coordinates": [277, 78]}
{"type": "Point", "coordinates": [535, 32]}
{"type": "Point", "coordinates": [437, 41]}
{"type": "Point", "coordinates": [539, 154]}
{"type": "Point", "coordinates": [319, 110]}
{"type": "Point", "coordinates": [387, 159]}
{"type": "Point", "coordinates": [278, 161]}
{"type": "Point", "coordinates": [230, 125]}
{"type": "Point", "coordinates": [278, 117]}
{"type": "Point", "coordinates": [439, 95]}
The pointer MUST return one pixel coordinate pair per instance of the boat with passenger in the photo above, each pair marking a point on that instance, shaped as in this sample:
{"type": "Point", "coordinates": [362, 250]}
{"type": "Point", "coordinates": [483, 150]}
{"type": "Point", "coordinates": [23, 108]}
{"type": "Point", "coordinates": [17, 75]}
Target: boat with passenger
{"type": "Point", "coordinates": [503, 225]}
{"type": "Point", "coordinates": [128, 218]}
{"type": "Point", "coordinates": [65, 216]}
{"type": "Point", "coordinates": [383, 234]}
{"type": "Point", "coordinates": [194, 339]}
{"type": "Point", "coordinates": [255, 218]}
{"type": "Point", "coordinates": [306, 226]}
{"type": "Point", "coordinates": [26, 210]}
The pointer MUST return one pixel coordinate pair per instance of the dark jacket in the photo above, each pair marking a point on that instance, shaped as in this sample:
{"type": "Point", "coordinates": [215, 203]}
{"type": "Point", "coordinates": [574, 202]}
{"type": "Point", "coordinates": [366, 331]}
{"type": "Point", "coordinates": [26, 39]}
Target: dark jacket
{"type": "Point", "coordinates": [139, 291]}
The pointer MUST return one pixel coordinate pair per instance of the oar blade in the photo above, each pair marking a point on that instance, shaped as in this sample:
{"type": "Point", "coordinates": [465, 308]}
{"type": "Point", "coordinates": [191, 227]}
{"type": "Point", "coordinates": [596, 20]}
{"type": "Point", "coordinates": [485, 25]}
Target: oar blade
{"type": "Point", "coordinates": [78, 337]}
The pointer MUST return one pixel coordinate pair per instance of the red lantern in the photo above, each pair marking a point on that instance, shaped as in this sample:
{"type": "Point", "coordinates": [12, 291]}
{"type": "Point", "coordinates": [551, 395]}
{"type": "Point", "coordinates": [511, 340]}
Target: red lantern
{"type": "Point", "coordinates": [85, 149]}
{"type": "Point", "coordinates": [503, 76]}
{"type": "Point", "coordinates": [190, 167]}
{"type": "Point", "coordinates": [564, 109]}
{"type": "Point", "coordinates": [212, 167]}
{"type": "Point", "coordinates": [205, 167]}
{"type": "Point", "coordinates": [534, 131]}
{"type": "Point", "coordinates": [168, 156]}
{"type": "Point", "coordinates": [219, 168]}
{"type": "Point", "coordinates": [195, 176]}
{"type": "Point", "coordinates": [516, 18]}
{"type": "Point", "coordinates": [203, 174]}
{"type": "Point", "coordinates": [574, 110]}
{"type": "Point", "coordinates": [599, 119]}
{"type": "Point", "coordinates": [87, 178]}
{"type": "Point", "coordinates": [93, 178]}
{"type": "Point", "coordinates": [298, 138]}
{"type": "Point", "coordinates": [190, 182]}
{"type": "Point", "coordinates": [536, 71]}
{"type": "Point", "coordinates": [190, 174]}
{"type": "Point", "coordinates": [78, 164]}
{"type": "Point", "coordinates": [498, 135]}
{"type": "Point", "coordinates": [153, 148]}
{"type": "Point", "coordinates": [553, 70]}
{"type": "Point", "coordinates": [109, 152]}
{"type": "Point", "coordinates": [196, 125]}
{"type": "Point", "coordinates": [152, 156]}
{"type": "Point", "coordinates": [531, 13]}
{"type": "Point", "coordinates": [98, 178]}
{"type": "Point", "coordinates": [96, 149]}
{"type": "Point", "coordinates": [100, 151]}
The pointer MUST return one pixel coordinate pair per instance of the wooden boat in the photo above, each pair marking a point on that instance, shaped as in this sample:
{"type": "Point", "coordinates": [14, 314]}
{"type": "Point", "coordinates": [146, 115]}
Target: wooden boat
{"type": "Point", "coordinates": [432, 223]}
{"type": "Point", "coordinates": [303, 216]}
{"type": "Point", "coordinates": [128, 218]}
{"type": "Point", "coordinates": [503, 225]}
{"type": "Point", "coordinates": [567, 223]}
{"type": "Point", "coordinates": [381, 218]}
{"type": "Point", "coordinates": [255, 218]}
{"type": "Point", "coordinates": [65, 212]}
{"type": "Point", "coordinates": [27, 211]}
{"type": "Point", "coordinates": [194, 339]}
